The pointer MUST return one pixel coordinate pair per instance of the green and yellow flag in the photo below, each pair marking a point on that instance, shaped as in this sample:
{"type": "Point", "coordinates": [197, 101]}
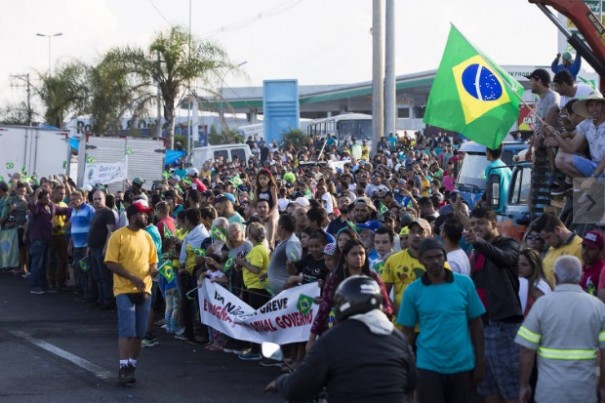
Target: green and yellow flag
{"type": "Point", "coordinates": [472, 95]}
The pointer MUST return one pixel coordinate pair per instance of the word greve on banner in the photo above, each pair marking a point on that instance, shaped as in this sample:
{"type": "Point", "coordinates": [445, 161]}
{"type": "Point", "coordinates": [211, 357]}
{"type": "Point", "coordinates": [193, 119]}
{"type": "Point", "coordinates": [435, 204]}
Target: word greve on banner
{"type": "Point", "coordinates": [286, 318]}
{"type": "Point", "coordinates": [106, 173]}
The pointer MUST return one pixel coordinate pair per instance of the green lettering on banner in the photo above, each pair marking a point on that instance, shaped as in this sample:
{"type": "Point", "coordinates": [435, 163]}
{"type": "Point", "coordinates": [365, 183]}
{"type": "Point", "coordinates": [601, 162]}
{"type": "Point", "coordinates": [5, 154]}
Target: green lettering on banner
{"type": "Point", "coordinates": [304, 303]}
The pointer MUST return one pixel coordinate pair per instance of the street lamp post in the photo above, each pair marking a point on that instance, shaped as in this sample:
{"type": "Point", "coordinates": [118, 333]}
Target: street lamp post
{"type": "Point", "coordinates": [49, 39]}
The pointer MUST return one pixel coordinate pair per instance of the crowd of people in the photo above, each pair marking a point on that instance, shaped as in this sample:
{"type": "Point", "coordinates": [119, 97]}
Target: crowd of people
{"type": "Point", "coordinates": [447, 277]}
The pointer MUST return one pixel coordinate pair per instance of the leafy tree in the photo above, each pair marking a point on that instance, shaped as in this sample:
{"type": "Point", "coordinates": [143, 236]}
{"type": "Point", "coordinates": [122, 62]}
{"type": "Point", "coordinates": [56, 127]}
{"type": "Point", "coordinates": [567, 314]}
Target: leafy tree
{"type": "Point", "coordinates": [119, 84]}
{"type": "Point", "coordinates": [65, 93]}
{"type": "Point", "coordinates": [227, 136]}
{"type": "Point", "coordinates": [296, 138]}
{"type": "Point", "coordinates": [15, 114]}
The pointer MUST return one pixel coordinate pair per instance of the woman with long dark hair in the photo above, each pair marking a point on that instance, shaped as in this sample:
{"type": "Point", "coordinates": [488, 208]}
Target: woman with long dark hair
{"type": "Point", "coordinates": [353, 261]}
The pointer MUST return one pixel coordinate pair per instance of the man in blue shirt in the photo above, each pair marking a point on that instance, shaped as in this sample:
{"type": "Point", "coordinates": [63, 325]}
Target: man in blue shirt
{"type": "Point", "coordinates": [567, 64]}
{"type": "Point", "coordinates": [79, 222]}
{"type": "Point", "coordinates": [498, 167]}
{"type": "Point", "coordinates": [450, 355]}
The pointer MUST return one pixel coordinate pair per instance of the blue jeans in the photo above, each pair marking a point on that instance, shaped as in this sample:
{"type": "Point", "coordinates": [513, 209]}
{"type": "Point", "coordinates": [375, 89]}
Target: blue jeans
{"type": "Point", "coordinates": [39, 253]}
{"type": "Point", "coordinates": [101, 275]}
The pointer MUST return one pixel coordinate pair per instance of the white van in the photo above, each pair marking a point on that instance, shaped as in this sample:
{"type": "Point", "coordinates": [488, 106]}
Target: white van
{"type": "Point", "coordinates": [200, 155]}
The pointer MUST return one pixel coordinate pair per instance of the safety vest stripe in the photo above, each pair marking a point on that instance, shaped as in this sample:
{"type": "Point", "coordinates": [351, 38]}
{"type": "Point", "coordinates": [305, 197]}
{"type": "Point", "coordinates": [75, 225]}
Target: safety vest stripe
{"type": "Point", "coordinates": [529, 335]}
{"type": "Point", "coordinates": [566, 354]}
{"type": "Point", "coordinates": [602, 336]}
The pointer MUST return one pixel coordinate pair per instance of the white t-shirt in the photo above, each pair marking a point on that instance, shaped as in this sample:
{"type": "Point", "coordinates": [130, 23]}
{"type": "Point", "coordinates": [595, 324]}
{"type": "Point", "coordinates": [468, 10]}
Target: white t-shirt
{"type": "Point", "coordinates": [524, 291]}
{"type": "Point", "coordinates": [595, 136]}
{"type": "Point", "coordinates": [582, 91]}
{"type": "Point", "coordinates": [458, 261]}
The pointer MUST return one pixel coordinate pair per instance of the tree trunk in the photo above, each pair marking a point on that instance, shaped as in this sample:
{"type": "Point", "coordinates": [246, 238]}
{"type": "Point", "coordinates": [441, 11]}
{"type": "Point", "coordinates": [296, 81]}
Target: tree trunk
{"type": "Point", "coordinates": [169, 116]}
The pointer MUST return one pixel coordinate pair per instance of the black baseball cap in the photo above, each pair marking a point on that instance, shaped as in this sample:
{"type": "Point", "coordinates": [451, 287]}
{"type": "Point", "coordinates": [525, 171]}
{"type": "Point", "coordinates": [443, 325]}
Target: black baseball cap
{"type": "Point", "coordinates": [540, 74]}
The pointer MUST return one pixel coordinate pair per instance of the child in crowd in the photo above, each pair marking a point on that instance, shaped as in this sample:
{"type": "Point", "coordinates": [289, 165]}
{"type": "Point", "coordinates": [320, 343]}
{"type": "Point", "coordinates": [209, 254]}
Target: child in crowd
{"type": "Point", "coordinates": [383, 245]}
{"type": "Point", "coordinates": [213, 265]}
{"type": "Point", "coordinates": [343, 236]}
{"type": "Point", "coordinates": [171, 291]}
{"type": "Point", "coordinates": [254, 270]}
{"type": "Point", "coordinates": [305, 233]}
{"type": "Point", "coordinates": [312, 267]}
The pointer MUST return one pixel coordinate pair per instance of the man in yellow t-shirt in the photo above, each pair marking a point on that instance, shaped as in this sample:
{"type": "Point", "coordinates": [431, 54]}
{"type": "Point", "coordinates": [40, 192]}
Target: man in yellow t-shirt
{"type": "Point", "coordinates": [561, 242]}
{"type": "Point", "coordinates": [132, 258]}
{"type": "Point", "coordinates": [403, 268]}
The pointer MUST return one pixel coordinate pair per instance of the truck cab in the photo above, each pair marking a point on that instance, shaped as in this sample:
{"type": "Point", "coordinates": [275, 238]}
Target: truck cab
{"type": "Point", "coordinates": [516, 214]}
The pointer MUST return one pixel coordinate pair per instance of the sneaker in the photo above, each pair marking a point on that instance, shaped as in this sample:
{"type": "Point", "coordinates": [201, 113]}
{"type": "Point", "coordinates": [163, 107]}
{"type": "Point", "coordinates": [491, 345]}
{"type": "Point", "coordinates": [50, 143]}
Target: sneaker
{"type": "Point", "coordinates": [181, 337]}
{"type": "Point", "coordinates": [266, 362]}
{"type": "Point", "coordinates": [250, 356]}
{"type": "Point", "coordinates": [150, 341]}
{"type": "Point", "coordinates": [26, 275]}
{"type": "Point", "coordinates": [37, 291]}
{"type": "Point", "coordinates": [51, 290]}
{"type": "Point", "coordinates": [126, 375]}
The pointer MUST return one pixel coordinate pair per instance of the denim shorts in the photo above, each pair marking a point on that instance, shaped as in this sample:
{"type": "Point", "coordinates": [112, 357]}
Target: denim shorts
{"type": "Point", "coordinates": [132, 318]}
{"type": "Point", "coordinates": [585, 166]}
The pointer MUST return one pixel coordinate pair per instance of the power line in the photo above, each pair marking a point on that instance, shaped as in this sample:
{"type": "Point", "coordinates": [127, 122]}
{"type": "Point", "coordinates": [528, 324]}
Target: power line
{"type": "Point", "coordinates": [279, 9]}
{"type": "Point", "coordinates": [160, 13]}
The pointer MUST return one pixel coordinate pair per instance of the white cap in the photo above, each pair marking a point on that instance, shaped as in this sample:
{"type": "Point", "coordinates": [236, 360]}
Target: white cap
{"type": "Point", "coordinates": [302, 201]}
{"type": "Point", "coordinates": [192, 171]}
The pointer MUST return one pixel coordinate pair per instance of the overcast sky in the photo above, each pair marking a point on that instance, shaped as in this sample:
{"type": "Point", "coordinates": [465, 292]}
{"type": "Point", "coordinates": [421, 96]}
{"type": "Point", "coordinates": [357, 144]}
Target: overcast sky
{"type": "Point", "coordinates": [314, 41]}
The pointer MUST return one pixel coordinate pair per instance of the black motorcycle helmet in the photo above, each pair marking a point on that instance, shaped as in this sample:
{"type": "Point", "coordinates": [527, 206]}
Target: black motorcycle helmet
{"type": "Point", "coordinates": [355, 295]}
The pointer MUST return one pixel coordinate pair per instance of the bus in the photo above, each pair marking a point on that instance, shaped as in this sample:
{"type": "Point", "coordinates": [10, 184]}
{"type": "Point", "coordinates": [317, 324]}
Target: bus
{"type": "Point", "coordinates": [344, 127]}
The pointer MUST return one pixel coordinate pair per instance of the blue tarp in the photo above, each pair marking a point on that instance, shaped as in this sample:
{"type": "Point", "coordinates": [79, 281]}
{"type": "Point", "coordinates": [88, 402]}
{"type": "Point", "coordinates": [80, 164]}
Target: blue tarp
{"type": "Point", "coordinates": [74, 142]}
{"type": "Point", "coordinates": [173, 155]}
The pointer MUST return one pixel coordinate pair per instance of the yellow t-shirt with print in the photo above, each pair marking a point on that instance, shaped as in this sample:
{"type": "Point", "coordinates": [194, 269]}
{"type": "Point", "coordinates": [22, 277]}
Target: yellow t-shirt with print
{"type": "Point", "coordinates": [401, 269]}
{"type": "Point", "coordinates": [135, 252]}
{"type": "Point", "coordinates": [259, 257]}
{"type": "Point", "coordinates": [573, 248]}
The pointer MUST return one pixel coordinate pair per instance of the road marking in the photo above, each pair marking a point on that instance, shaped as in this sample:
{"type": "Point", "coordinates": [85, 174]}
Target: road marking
{"type": "Point", "coordinates": [66, 355]}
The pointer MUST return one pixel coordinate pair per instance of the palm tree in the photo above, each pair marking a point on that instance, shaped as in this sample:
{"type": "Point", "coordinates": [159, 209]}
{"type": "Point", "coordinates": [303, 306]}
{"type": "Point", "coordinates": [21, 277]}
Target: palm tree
{"type": "Point", "coordinates": [66, 92]}
{"type": "Point", "coordinates": [184, 60]}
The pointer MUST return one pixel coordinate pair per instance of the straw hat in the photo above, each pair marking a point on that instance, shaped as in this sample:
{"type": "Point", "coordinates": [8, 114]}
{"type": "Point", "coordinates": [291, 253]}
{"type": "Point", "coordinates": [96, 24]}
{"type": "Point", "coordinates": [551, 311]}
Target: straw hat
{"type": "Point", "coordinates": [580, 107]}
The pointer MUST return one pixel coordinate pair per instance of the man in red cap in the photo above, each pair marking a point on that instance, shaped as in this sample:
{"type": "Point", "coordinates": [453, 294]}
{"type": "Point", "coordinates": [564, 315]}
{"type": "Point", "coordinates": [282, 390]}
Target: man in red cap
{"type": "Point", "coordinates": [132, 258]}
{"type": "Point", "coordinates": [593, 275]}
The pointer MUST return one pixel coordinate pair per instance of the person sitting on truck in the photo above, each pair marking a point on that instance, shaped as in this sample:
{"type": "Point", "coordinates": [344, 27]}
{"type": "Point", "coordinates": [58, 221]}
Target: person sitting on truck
{"type": "Point", "coordinates": [566, 64]}
{"type": "Point", "coordinates": [565, 84]}
{"type": "Point", "coordinates": [591, 132]}
{"type": "Point", "coordinates": [498, 167]}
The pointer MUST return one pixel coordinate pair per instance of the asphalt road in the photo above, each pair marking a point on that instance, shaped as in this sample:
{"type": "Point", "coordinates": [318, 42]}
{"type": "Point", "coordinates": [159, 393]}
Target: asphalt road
{"type": "Point", "coordinates": [54, 349]}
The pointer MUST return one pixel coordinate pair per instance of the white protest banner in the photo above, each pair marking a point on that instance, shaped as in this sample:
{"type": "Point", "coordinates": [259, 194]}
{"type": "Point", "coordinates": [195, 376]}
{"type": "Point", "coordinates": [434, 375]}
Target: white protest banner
{"type": "Point", "coordinates": [286, 318]}
{"type": "Point", "coordinates": [106, 173]}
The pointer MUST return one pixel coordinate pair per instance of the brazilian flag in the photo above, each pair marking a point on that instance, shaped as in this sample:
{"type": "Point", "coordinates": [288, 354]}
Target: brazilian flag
{"type": "Point", "coordinates": [472, 95]}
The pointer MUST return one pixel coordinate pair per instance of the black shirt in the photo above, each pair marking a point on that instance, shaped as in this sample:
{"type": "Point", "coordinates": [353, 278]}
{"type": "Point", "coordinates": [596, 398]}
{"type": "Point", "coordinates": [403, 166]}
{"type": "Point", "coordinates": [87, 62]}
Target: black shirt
{"type": "Point", "coordinates": [97, 235]}
{"type": "Point", "coordinates": [311, 269]}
